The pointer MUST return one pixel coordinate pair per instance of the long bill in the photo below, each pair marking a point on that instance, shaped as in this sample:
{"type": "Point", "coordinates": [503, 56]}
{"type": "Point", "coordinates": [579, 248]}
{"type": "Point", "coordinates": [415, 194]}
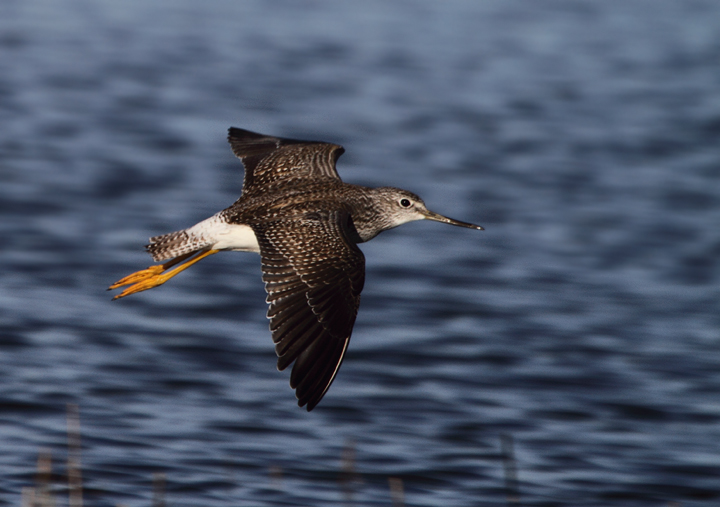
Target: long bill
{"type": "Point", "coordinates": [436, 217]}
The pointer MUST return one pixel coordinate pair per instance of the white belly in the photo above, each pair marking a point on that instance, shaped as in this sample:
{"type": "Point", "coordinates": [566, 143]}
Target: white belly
{"type": "Point", "coordinates": [217, 234]}
{"type": "Point", "coordinates": [236, 237]}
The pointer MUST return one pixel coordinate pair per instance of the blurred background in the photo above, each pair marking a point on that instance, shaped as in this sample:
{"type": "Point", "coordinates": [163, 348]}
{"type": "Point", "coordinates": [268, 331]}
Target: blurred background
{"type": "Point", "coordinates": [568, 355]}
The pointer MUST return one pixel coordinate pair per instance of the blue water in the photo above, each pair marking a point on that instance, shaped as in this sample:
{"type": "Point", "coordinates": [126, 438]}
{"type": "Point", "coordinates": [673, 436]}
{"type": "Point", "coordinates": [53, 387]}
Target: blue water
{"type": "Point", "coordinates": [583, 325]}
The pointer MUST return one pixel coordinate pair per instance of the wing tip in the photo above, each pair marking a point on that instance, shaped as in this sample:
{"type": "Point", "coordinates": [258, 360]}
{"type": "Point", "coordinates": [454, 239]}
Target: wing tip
{"type": "Point", "coordinates": [246, 143]}
{"type": "Point", "coordinates": [312, 394]}
{"type": "Point", "coordinates": [238, 133]}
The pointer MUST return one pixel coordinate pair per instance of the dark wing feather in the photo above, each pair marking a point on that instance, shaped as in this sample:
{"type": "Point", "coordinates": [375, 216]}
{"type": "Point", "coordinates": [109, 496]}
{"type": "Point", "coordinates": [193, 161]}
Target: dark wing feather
{"type": "Point", "coordinates": [269, 160]}
{"type": "Point", "coordinates": [313, 276]}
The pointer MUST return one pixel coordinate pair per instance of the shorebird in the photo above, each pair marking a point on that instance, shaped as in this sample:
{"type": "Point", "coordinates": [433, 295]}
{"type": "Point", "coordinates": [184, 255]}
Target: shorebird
{"type": "Point", "coordinates": [306, 224]}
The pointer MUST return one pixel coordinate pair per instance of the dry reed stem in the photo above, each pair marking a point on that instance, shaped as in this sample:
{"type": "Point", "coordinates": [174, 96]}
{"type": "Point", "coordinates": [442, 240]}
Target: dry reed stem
{"type": "Point", "coordinates": [158, 490]}
{"type": "Point", "coordinates": [348, 478]}
{"type": "Point", "coordinates": [507, 452]}
{"type": "Point", "coordinates": [397, 491]}
{"type": "Point", "coordinates": [74, 473]}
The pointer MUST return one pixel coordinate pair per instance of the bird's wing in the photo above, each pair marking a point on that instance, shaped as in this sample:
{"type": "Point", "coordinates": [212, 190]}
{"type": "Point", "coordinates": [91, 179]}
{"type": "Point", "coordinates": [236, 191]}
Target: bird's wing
{"type": "Point", "coordinates": [313, 276]}
{"type": "Point", "coordinates": [269, 160]}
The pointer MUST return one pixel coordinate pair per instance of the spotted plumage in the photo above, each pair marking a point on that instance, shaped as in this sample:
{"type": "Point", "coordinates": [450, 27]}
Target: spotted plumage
{"type": "Point", "coordinates": [306, 224]}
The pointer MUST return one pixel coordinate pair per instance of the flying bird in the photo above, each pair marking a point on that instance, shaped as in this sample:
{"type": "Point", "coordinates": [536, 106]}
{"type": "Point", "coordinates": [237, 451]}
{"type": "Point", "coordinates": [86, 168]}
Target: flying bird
{"type": "Point", "coordinates": [306, 224]}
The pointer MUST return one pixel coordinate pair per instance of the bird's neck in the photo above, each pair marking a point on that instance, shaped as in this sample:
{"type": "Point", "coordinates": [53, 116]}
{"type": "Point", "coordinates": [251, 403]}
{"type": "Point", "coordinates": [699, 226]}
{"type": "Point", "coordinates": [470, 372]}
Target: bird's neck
{"type": "Point", "coordinates": [367, 214]}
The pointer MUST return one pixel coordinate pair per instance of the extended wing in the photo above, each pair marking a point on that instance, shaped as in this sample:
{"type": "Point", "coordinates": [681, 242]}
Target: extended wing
{"type": "Point", "coordinates": [313, 276]}
{"type": "Point", "coordinates": [269, 160]}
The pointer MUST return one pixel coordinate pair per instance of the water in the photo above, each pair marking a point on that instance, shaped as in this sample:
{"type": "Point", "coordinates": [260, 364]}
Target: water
{"type": "Point", "coordinates": [583, 324]}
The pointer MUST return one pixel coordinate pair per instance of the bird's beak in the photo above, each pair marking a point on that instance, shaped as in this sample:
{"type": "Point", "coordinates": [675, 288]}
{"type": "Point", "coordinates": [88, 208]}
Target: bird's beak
{"type": "Point", "coordinates": [429, 215]}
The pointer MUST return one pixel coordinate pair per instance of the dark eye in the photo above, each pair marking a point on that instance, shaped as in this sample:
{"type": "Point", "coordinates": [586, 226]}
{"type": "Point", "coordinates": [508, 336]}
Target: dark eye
{"type": "Point", "coordinates": [405, 203]}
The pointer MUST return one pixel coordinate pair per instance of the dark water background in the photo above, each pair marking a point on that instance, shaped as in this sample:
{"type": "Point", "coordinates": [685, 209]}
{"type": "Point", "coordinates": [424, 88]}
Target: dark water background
{"type": "Point", "coordinates": [584, 322]}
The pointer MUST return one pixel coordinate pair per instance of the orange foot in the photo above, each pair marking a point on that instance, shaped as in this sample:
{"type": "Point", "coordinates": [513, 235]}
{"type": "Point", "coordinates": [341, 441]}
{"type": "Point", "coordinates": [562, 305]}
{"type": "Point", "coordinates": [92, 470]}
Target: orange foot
{"type": "Point", "coordinates": [157, 275]}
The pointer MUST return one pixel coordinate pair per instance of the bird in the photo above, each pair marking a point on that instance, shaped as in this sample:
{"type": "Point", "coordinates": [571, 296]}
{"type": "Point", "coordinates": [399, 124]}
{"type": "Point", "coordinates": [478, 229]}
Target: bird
{"type": "Point", "coordinates": [306, 224]}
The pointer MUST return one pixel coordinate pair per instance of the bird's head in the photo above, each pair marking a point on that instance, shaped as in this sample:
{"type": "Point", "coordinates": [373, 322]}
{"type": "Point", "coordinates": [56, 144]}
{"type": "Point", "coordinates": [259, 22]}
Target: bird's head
{"type": "Point", "coordinates": [395, 206]}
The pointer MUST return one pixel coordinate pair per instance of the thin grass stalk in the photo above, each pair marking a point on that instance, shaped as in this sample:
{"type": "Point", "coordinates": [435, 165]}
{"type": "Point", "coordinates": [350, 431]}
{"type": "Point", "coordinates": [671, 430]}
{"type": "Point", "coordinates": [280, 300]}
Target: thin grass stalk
{"type": "Point", "coordinates": [74, 473]}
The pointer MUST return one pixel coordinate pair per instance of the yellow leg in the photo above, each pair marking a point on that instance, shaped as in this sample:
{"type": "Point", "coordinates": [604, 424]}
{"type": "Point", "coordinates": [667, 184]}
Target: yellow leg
{"type": "Point", "coordinates": [144, 274]}
{"type": "Point", "coordinates": [157, 275]}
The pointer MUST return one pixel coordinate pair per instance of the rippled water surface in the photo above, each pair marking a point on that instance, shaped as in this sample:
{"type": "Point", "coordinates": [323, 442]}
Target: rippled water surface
{"type": "Point", "coordinates": [580, 332]}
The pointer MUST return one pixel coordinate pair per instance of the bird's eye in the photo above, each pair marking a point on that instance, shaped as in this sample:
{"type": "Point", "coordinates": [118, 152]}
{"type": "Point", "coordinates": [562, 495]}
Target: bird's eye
{"type": "Point", "coordinates": [405, 203]}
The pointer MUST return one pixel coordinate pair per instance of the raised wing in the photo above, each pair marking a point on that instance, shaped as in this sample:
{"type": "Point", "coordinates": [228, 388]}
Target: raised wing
{"type": "Point", "coordinates": [313, 276]}
{"type": "Point", "coordinates": [268, 160]}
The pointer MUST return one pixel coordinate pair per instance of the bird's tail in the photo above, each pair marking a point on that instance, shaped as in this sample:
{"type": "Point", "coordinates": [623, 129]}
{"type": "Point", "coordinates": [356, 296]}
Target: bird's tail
{"type": "Point", "coordinates": [175, 244]}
